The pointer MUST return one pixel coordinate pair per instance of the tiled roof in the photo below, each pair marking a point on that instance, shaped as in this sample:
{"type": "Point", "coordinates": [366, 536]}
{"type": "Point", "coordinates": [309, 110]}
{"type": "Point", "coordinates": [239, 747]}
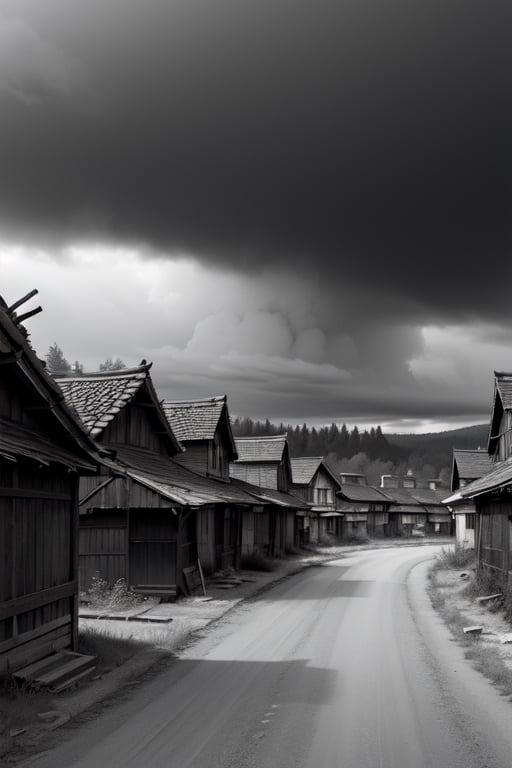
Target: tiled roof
{"type": "Point", "coordinates": [255, 449]}
{"type": "Point", "coordinates": [194, 419]}
{"type": "Point", "coordinates": [356, 492]}
{"type": "Point", "coordinates": [99, 397]}
{"type": "Point", "coordinates": [472, 464]}
{"type": "Point", "coordinates": [497, 478]}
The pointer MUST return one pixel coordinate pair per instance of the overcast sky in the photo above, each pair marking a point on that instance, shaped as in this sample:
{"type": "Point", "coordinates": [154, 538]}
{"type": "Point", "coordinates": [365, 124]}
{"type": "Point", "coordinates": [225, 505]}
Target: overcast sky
{"type": "Point", "coordinates": [304, 204]}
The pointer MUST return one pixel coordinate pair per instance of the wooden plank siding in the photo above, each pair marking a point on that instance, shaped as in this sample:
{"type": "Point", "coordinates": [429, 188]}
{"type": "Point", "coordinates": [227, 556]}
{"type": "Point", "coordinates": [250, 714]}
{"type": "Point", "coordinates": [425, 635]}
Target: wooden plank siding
{"type": "Point", "coordinates": [494, 542]}
{"type": "Point", "coordinates": [38, 587]}
{"type": "Point", "coordinates": [133, 426]}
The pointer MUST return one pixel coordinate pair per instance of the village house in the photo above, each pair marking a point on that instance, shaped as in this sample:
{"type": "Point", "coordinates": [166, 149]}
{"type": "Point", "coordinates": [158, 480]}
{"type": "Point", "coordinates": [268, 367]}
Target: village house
{"type": "Point", "coordinates": [467, 466]}
{"type": "Point", "coordinates": [365, 508]}
{"type": "Point", "coordinates": [139, 521]}
{"type": "Point", "coordinates": [492, 492]}
{"type": "Point", "coordinates": [203, 428]}
{"type": "Point", "coordinates": [313, 481]}
{"type": "Point", "coordinates": [263, 469]}
{"type": "Point", "coordinates": [415, 510]}
{"type": "Point", "coordinates": [43, 450]}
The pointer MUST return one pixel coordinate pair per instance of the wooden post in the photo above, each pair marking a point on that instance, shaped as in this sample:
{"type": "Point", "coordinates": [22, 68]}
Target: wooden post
{"type": "Point", "coordinates": [127, 555]}
{"type": "Point", "coordinates": [73, 576]}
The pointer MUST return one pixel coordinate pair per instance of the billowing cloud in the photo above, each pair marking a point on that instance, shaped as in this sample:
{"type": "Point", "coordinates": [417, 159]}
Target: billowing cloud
{"type": "Point", "coordinates": [304, 203]}
{"type": "Point", "coordinates": [364, 143]}
{"type": "Point", "coordinates": [260, 342]}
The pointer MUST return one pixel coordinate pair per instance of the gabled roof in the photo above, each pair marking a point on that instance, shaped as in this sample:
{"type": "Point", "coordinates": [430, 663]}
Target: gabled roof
{"type": "Point", "coordinates": [199, 419]}
{"type": "Point", "coordinates": [257, 449]}
{"type": "Point", "coordinates": [60, 436]}
{"type": "Point", "coordinates": [502, 402]}
{"type": "Point", "coordinates": [498, 478]}
{"type": "Point", "coordinates": [469, 465]}
{"type": "Point", "coordinates": [97, 398]}
{"type": "Point", "coordinates": [304, 468]}
{"type": "Point", "coordinates": [356, 492]}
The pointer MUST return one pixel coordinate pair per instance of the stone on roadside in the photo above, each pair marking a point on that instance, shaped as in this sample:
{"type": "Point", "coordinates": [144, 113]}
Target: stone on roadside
{"type": "Point", "coordinates": [475, 630]}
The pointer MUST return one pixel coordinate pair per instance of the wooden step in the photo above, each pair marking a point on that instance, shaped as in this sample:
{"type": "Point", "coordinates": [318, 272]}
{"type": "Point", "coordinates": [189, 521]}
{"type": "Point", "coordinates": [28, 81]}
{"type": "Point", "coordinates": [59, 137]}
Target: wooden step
{"type": "Point", "coordinates": [57, 670]}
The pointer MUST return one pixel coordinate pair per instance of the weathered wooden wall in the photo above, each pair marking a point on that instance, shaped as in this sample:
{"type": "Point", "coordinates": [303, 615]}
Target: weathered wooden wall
{"type": "Point", "coordinates": [38, 578]}
{"type": "Point", "coordinates": [264, 475]}
{"type": "Point", "coordinates": [133, 426]}
{"type": "Point", "coordinates": [494, 543]}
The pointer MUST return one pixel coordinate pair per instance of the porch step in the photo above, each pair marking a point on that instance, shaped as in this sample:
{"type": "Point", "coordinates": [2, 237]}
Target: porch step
{"type": "Point", "coordinates": [57, 671]}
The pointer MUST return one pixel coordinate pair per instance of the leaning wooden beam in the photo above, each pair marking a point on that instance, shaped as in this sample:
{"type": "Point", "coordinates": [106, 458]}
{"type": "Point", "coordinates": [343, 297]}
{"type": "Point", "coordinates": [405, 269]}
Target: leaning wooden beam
{"type": "Point", "coordinates": [21, 301]}
{"type": "Point", "coordinates": [26, 315]}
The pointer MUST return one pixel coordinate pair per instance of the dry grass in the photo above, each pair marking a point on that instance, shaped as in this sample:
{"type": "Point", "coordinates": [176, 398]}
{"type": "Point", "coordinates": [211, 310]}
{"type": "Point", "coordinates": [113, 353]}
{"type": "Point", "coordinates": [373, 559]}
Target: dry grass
{"type": "Point", "coordinates": [451, 601]}
{"type": "Point", "coordinates": [110, 650]}
{"type": "Point", "coordinates": [456, 557]}
{"type": "Point", "coordinates": [19, 706]}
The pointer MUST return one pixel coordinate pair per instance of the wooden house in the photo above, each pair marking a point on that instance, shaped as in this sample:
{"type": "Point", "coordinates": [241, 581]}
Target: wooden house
{"type": "Point", "coordinates": [264, 464]}
{"type": "Point", "coordinates": [492, 493]}
{"type": "Point", "coordinates": [148, 520]}
{"type": "Point", "coordinates": [365, 508]}
{"type": "Point", "coordinates": [415, 510]}
{"type": "Point", "coordinates": [313, 481]}
{"type": "Point", "coordinates": [499, 446]}
{"type": "Point", "coordinates": [43, 450]}
{"type": "Point", "coordinates": [203, 428]}
{"type": "Point", "coordinates": [467, 466]}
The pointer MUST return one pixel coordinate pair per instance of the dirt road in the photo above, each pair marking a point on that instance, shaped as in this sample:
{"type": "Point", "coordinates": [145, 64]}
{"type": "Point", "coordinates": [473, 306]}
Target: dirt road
{"type": "Point", "coordinates": [344, 665]}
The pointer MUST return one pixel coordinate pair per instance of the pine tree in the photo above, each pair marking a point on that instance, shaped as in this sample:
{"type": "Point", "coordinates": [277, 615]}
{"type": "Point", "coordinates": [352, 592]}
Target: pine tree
{"type": "Point", "coordinates": [112, 365]}
{"type": "Point", "coordinates": [56, 363]}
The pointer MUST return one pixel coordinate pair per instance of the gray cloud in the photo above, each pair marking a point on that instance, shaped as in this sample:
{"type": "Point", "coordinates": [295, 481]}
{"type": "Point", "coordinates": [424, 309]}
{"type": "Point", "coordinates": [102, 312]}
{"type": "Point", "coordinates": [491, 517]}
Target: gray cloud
{"type": "Point", "coordinates": [368, 141]}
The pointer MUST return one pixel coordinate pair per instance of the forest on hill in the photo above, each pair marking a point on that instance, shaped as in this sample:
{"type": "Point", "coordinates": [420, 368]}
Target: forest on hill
{"type": "Point", "coordinates": [371, 452]}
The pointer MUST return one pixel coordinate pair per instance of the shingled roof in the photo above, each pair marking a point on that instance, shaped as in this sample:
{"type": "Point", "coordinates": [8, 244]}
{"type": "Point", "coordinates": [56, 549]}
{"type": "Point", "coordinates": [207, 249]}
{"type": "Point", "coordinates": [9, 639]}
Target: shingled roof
{"type": "Point", "coordinates": [258, 449]}
{"type": "Point", "coordinates": [498, 478]}
{"type": "Point", "coordinates": [98, 398]}
{"type": "Point", "coordinates": [59, 435]}
{"type": "Point", "coordinates": [304, 468]}
{"type": "Point", "coordinates": [502, 402]}
{"type": "Point", "coordinates": [199, 419]}
{"type": "Point", "coordinates": [469, 465]}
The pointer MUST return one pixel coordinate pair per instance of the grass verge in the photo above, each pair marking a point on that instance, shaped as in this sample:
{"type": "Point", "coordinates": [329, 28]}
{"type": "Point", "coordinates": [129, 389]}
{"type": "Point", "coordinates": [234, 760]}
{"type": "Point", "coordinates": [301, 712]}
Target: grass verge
{"type": "Point", "coordinates": [484, 656]}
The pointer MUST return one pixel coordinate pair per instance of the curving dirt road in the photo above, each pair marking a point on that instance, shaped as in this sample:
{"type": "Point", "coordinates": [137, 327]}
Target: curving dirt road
{"type": "Point", "coordinates": [342, 666]}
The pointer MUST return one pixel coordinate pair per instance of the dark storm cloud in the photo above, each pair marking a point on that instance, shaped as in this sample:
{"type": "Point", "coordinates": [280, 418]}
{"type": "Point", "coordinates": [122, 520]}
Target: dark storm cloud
{"type": "Point", "coordinates": [366, 141]}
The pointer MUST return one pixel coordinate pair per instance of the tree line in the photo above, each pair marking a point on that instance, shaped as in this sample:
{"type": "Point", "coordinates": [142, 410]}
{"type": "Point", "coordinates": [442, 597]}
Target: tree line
{"type": "Point", "coordinates": [58, 365]}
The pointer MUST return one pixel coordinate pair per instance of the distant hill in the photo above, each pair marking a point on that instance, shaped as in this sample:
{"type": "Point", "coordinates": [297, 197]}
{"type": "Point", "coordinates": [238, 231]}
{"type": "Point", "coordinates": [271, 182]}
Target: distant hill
{"type": "Point", "coordinates": [436, 447]}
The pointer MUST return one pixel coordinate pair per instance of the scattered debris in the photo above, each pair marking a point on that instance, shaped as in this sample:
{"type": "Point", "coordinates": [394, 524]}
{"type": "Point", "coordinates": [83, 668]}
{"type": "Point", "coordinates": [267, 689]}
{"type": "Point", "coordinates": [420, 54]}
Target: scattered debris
{"type": "Point", "coordinates": [17, 732]}
{"type": "Point", "coordinates": [488, 598]}
{"type": "Point", "coordinates": [464, 575]}
{"type": "Point", "coordinates": [506, 639]}
{"type": "Point", "coordinates": [475, 630]}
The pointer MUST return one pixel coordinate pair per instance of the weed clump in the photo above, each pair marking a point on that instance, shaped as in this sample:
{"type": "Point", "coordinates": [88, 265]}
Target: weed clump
{"type": "Point", "coordinates": [117, 597]}
{"type": "Point", "coordinates": [456, 557]}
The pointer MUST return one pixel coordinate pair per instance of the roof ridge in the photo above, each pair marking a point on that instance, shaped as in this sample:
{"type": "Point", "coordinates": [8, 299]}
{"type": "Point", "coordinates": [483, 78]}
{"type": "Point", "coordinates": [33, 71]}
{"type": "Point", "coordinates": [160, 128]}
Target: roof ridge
{"type": "Point", "coordinates": [199, 401]}
{"type": "Point", "coordinates": [118, 374]}
{"type": "Point", "coordinates": [263, 437]}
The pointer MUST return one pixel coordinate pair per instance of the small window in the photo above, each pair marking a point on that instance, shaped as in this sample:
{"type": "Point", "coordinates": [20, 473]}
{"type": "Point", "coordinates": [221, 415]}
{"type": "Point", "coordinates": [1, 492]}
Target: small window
{"type": "Point", "coordinates": [470, 521]}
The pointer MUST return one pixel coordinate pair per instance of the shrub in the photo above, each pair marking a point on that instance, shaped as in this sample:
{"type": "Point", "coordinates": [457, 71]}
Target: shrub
{"type": "Point", "coordinates": [117, 597]}
{"type": "Point", "coordinates": [456, 557]}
